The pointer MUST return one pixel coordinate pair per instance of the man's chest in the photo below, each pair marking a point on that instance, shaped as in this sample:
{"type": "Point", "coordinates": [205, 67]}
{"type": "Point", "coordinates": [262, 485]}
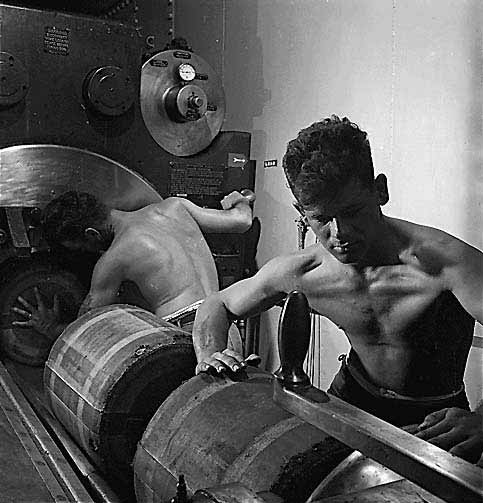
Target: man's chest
{"type": "Point", "coordinates": [377, 302]}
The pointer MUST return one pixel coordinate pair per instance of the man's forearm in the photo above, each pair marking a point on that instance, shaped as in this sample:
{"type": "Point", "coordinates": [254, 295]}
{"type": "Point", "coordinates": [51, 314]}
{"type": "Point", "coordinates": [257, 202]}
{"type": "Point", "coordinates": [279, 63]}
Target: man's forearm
{"type": "Point", "coordinates": [210, 330]}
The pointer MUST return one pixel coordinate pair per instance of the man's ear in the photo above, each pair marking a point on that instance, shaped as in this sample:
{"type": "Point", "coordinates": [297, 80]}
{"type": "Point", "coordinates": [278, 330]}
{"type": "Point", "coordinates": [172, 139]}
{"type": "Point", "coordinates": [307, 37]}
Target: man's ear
{"type": "Point", "coordinates": [92, 234]}
{"type": "Point", "coordinates": [382, 191]}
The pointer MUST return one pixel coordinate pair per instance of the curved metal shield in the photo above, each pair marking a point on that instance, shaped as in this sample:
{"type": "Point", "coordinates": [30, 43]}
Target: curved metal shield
{"type": "Point", "coordinates": [33, 175]}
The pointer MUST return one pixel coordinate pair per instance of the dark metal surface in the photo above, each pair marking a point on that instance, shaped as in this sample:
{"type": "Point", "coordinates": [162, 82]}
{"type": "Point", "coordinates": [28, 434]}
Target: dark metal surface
{"type": "Point", "coordinates": [400, 491]}
{"type": "Point", "coordinates": [228, 493]}
{"type": "Point", "coordinates": [86, 6]}
{"type": "Point", "coordinates": [435, 470]}
{"type": "Point", "coordinates": [32, 175]}
{"type": "Point", "coordinates": [59, 51]}
{"type": "Point", "coordinates": [14, 80]}
{"type": "Point", "coordinates": [165, 105]}
{"type": "Point", "coordinates": [109, 90]}
{"type": "Point", "coordinates": [29, 380]}
{"type": "Point", "coordinates": [356, 473]}
{"type": "Point", "coordinates": [40, 472]}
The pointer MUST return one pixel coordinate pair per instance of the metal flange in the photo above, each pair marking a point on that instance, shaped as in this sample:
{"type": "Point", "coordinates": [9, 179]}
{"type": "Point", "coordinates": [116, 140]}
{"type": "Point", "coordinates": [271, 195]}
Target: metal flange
{"type": "Point", "coordinates": [182, 101]}
{"type": "Point", "coordinates": [109, 90]}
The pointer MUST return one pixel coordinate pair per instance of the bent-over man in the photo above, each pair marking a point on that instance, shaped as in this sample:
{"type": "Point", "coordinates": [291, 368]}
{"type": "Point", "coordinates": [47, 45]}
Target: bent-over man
{"type": "Point", "coordinates": [160, 248]}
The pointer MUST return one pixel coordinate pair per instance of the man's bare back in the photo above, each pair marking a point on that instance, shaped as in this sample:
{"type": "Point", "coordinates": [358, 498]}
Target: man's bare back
{"type": "Point", "coordinates": [159, 248]}
{"type": "Point", "coordinates": [162, 250]}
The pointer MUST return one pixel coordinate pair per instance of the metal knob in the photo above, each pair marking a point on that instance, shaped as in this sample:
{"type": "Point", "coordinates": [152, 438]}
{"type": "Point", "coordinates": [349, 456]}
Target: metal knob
{"type": "Point", "coordinates": [195, 101]}
{"type": "Point", "coordinates": [293, 340]}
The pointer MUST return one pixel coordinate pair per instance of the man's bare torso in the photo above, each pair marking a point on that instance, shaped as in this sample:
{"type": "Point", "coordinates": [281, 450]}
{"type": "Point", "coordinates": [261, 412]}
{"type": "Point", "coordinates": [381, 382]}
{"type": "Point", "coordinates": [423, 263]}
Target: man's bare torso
{"type": "Point", "coordinates": [162, 250]}
{"type": "Point", "coordinates": [406, 327]}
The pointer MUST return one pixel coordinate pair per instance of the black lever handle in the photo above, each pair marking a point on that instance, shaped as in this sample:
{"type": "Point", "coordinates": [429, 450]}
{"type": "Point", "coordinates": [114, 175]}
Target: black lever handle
{"type": "Point", "coordinates": [293, 340]}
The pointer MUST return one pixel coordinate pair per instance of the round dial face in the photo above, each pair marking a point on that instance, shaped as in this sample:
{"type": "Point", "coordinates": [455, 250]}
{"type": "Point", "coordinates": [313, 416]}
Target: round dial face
{"type": "Point", "coordinates": [186, 72]}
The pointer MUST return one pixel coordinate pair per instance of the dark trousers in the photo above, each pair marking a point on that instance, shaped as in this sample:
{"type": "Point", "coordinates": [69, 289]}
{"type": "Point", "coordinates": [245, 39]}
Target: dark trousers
{"type": "Point", "coordinates": [399, 412]}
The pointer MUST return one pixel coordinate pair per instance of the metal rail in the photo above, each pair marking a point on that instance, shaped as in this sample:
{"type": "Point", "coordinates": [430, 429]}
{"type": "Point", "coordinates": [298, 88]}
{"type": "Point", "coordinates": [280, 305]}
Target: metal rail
{"type": "Point", "coordinates": [58, 477]}
{"type": "Point", "coordinates": [446, 476]}
{"type": "Point", "coordinates": [86, 472]}
{"type": "Point", "coordinates": [443, 474]}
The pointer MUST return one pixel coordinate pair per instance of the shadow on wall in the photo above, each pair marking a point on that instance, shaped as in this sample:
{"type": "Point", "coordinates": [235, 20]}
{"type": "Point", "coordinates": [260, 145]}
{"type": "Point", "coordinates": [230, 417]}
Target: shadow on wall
{"type": "Point", "coordinates": [243, 66]}
{"type": "Point", "coordinates": [474, 173]}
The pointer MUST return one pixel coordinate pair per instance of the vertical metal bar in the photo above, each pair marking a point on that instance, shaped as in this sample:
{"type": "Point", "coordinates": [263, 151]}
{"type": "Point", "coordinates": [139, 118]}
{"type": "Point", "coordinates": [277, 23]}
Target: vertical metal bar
{"type": "Point", "coordinates": [16, 225]}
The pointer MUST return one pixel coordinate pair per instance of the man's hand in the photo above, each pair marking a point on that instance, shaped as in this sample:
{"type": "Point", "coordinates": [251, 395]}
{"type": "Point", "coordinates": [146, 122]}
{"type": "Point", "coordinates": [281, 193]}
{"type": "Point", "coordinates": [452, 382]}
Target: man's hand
{"type": "Point", "coordinates": [246, 196]}
{"type": "Point", "coordinates": [42, 319]}
{"type": "Point", "coordinates": [226, 360]}
{"type": "Point", "coordinates": [456, 430]}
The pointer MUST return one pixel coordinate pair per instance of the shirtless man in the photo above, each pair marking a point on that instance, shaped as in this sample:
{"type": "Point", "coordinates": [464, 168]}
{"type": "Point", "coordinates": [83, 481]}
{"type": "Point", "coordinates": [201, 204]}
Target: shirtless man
{"type": "Point", "coordinates": [406, 295]}
{"type": "Point", "coordinates": [160, 248]}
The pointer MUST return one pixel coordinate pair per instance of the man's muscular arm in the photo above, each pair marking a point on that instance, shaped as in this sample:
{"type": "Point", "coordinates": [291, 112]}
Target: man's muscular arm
{"type": "Point", "coordinates": [236, 215]}
{"type": "Point", "coordinates": [464, 276]}
{"type": "Point", "coordinates": [106, 280]}
{"type": "Point", "coordinates": [242, 299]}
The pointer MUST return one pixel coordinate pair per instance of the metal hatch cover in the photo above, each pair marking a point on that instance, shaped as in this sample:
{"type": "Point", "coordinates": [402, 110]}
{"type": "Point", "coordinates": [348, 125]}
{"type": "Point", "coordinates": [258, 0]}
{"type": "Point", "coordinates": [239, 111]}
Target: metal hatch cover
{"type": "Point", "coordinates": [183, 116]}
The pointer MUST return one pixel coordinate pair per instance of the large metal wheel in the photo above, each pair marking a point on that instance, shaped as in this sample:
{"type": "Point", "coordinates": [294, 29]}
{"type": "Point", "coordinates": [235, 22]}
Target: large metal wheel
{"type": "Point", "coordinates": [25, 345]}
{"type": "Point", "coordinates": [32, 175]}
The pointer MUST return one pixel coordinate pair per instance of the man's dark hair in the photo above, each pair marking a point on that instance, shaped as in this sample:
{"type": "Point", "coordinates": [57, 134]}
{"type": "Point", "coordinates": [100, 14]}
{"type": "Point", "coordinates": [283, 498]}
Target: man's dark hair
{"type": "Point", "coordinates": [66, 217]}
{"type": "Point", "coordinates": [324, 157]}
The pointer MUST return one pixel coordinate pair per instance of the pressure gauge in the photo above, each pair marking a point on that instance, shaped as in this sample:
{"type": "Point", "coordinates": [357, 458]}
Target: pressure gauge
{"type": "Point", "coordinates": [186, 72]}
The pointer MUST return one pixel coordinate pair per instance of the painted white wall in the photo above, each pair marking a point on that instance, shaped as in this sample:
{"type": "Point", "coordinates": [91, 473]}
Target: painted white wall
{"type": "Point", "coordinates": [408, 72]}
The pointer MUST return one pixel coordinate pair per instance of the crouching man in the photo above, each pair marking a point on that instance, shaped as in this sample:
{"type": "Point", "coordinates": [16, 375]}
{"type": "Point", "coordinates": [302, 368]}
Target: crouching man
{"type": "Point", "coordinates": [160, 248]}
{"type": "Point", "coordinates": [406, 295]}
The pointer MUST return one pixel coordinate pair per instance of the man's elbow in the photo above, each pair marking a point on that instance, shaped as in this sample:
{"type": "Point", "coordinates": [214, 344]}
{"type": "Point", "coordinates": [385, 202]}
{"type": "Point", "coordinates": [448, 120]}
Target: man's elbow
{"type": "Point", "coordinates": [243, 227]}
{"type": "Point", "coordinates": [243, 222]}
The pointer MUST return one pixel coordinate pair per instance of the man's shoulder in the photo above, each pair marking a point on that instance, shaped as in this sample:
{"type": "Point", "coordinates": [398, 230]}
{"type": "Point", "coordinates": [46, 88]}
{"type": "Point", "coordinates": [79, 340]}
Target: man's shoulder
{"type": "Point", "coordinates": [297, 262]}
{"type": "Point", "coordinates": [432, 246]}
{"type": "Point", "coordinates": [133, 243]}
{"type": "Point", "coordinates": [171, 206]}
{"type": "Point", "coordinates": [167, 207]}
